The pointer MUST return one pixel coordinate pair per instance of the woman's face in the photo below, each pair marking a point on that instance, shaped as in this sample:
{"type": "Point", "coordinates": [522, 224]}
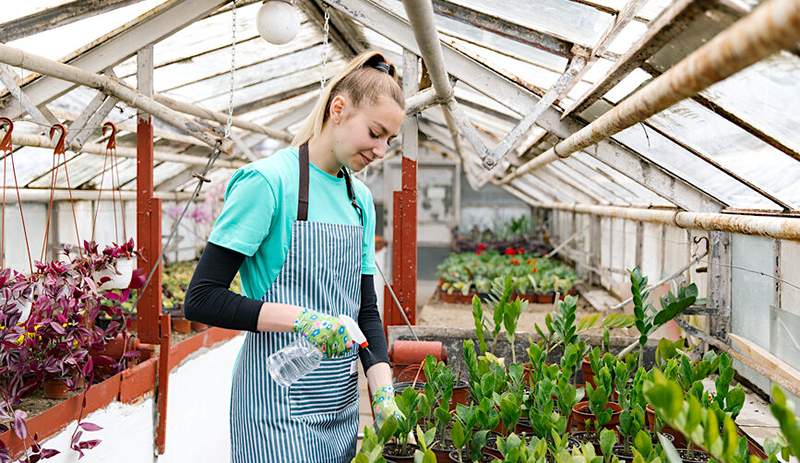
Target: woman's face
{"type": "Point", "coordinates": [362, 134]}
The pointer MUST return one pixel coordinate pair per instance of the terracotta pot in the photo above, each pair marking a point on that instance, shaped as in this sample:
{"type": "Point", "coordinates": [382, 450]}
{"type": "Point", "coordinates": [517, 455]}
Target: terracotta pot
{"type": "Point", "coordinates": [587, 372]}
{"type": "Point", "coordinates": [491, 446]}
{"type": "Point", "coordinates": [650, 419]}
{"type": "Point", "coordinates": [443, 453]}
{"type": "Point", "coordinates": [693, 456]}
{"type": "Point", "coordinates": [581, 413]}
{"type": "Point", "coordinates": [456, 298]}
{"type": "Point", "coordinates": [524, 426]}
{"type": "Point", "coordinates": [55, 389]}
{"type": "Point", "coordinates": [181, 325]}
{"type": "Point", "coordinates": [410, 373]}
{"type": "Point", "coordinates": [460, 394]}
{"type": "Point", "coordinates": [117, 347]}
{"type": "Point", "coordinates": [197, 326]}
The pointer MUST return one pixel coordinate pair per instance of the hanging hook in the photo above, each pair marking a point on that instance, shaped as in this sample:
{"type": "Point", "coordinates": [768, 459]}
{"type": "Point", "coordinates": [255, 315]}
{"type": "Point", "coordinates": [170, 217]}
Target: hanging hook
{"type": "Point", "coordinates": [112, 140]}
{"type": "Point", "coordinates": [60, 147]}
{"type": "Point", "coordinates": [5, 145]}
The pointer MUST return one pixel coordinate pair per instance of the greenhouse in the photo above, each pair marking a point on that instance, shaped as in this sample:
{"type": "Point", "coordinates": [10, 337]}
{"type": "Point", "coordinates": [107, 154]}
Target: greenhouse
{"type": "Point", "coordinates": [377, 231]}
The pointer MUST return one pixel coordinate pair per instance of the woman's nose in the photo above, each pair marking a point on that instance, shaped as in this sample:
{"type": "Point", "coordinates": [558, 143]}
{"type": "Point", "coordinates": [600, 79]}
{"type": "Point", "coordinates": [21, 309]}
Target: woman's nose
{"type": "Point", "coordinates": [379, 150]}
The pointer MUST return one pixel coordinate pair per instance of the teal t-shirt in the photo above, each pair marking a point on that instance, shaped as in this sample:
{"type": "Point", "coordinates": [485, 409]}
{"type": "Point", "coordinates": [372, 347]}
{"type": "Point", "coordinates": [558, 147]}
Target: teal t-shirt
{"type": "Point", "coordinates": [261, 206]}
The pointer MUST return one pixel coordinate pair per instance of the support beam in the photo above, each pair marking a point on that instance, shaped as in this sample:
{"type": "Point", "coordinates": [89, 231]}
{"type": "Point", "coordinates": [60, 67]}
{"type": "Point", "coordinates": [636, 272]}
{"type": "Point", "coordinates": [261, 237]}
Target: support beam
{"type": "Point", "coordinates": [343, 33]}
{"type": "Point", "coordinates": [770, 28]}
{"type": "Point", "coordinates": [671, 22]}
{"type": "Point", "coordinates": [57, 16]}
{"type": "Point", "coordinates": [8, 79]}
{"type": "Point", "coordinates": [503, 89]}
{"type": "Point", "coordinates": [113, 87]}
{"type": "Point", "coordinates": [622, 19]}
{"type": "Point", "coordinates": [719, 283]}
{"type": "Point", "coordinates": [119, 45]}
{"type": "Point", "coordinates": [503, 28]}
{"type": "Point", "coordinates": [84, 131]}
{"type": "Point", "coordinates": [421, 101]}
{"type": "Point", "coordinates": [576, 65]}
{"type": "Point", "coordinates": [785, 228]}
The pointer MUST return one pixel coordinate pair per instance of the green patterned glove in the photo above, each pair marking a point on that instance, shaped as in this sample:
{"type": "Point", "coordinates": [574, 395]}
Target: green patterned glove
{"type": "Point", "coordinates": [324, 331]}
{"type": "Point", "coordinates": [384, 406]}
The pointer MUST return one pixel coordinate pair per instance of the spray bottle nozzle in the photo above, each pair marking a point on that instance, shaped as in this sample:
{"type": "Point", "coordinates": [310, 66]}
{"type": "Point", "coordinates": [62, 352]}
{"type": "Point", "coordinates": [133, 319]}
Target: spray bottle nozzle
{"type": "Point", "coordinates": [354, 330]}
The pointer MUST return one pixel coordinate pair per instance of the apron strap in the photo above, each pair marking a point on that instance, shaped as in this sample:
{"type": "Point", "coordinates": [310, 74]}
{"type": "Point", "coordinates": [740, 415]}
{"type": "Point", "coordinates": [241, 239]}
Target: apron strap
{"type": "Point", "coordinates": [302, 194]}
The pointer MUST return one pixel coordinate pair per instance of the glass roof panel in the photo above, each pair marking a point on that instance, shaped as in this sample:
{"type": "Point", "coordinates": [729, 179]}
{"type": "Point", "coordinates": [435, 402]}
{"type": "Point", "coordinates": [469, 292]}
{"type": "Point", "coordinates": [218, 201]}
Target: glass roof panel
{"type": "Point", "coordinates": [773, 108]}
{"type": "Point", "coordinates": [628, 36]}
{"type": "Point", "coordinates": [585, 26]}
{"type": "Point", "coordinates": [16, 10]}
{"type": "Point", "coordinates": [735, 149]}
{"type": "Point", "coordinates": [610, 178]}
{"type": "Point", "coordinates": [685, 165]}
{"type": "Point", "coordinates": [59, 42]}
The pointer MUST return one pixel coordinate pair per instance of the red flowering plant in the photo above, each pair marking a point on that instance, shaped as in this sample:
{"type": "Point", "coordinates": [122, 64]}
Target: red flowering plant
{"type": "Point", "coordinates": [510, 252]}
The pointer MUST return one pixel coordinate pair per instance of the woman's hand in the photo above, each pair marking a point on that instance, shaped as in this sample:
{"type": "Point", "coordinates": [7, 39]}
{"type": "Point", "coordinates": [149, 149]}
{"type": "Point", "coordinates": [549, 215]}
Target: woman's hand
{"type": "Point", "coordinates": [384, 406]}
{"type": "Point", "coordinates": [324, 331]}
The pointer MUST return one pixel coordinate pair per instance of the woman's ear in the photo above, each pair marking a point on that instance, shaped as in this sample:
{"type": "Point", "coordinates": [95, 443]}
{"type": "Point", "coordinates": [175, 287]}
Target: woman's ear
{"type": "Point", "coordinates": [337, 108]}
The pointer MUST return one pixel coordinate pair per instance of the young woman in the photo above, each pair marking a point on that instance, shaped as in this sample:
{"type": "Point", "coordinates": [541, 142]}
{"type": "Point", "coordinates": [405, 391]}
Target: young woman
{"type": "Point", "coordinates": [301, 233]}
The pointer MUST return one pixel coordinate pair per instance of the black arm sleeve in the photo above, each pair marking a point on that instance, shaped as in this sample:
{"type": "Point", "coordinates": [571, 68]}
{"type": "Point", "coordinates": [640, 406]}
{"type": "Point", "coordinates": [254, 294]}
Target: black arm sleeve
{"type": "Point", "coordinates": [369, 320]}
{"type": "Point", "coordinates": [208, 299]}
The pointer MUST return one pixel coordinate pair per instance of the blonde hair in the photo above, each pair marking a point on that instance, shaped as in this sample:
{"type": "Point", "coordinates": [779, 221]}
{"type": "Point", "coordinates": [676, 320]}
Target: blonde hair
{"type": "Point", "coordinates": [362, 81]}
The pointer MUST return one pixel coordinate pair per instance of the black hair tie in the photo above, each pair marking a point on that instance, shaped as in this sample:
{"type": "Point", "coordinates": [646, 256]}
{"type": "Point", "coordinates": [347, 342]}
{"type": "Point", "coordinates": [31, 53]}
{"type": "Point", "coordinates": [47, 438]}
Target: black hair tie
{"type": "Point", "coordinates": [383, 67]}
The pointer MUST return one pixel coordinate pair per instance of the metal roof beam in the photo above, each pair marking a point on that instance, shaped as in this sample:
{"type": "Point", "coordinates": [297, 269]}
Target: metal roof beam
{"type": "Point", "coordinates": [501, 88]}
{"type": "Point", "coordinates": [671, 22]}
{"type": "Point", "coordinates": [121, 44]}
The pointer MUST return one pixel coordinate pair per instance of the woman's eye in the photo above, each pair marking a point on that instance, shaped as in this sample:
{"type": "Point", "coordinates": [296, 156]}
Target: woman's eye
{"type": "Point", "coordinates": [373, 134]}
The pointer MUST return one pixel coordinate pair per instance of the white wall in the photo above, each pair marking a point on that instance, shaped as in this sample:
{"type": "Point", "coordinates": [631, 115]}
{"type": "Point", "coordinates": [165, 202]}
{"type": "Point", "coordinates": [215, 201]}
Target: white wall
{"type": "Point", "coordinates": [197, 417]}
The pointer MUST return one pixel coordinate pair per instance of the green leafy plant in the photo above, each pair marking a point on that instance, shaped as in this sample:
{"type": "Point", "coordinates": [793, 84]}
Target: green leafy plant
{"type": "Point", "coordinates": [408, 402]}
{"type": "Point", "coordinates": [372, 445]}
{"type": "Point", "coordinates": [424, 454]}
{"type": "Point", "coordinates": [788, 422]}
{"type": "Point", "coordinates": [439, 392]}
{"type": "Point", "coordinates": [465, 437]}
{"type": "Point", "coordinates": [514, 449]}
{"type": "Point", "coordinates": [647, 319]}
{"type": "Point", "coordinates": [608, 439]}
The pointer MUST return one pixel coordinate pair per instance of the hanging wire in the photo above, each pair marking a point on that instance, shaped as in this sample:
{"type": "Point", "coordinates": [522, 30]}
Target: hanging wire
{"type": "Point", "coordinates": [203, 176]}
{"type": "Point", "coordinates": [325, 36]}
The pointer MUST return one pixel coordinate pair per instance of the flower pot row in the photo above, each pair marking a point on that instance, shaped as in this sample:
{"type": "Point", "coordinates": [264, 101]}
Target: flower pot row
{"type": "Point", "coordinates": [534, 298]}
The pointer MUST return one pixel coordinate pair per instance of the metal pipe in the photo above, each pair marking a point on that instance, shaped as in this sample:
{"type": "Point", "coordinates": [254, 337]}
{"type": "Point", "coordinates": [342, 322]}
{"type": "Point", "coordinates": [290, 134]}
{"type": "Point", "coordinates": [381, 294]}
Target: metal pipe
{"type": "Point", "coordinates": [222, 118]}
{"type": "Point", "coordinates": [40, 141]}
{"type": "Point", "coordinates": [786, 228]}
{"type": "Point", "coordinates": [421, 101]}
{"type": "Point", "coordinates": [35, 63]}
{"type": "Point", "coordinates": [773, 26]}
{"type": "Point", "coordinates": [420, 15]}
{"type": "Point", "coordinates": [42, 195]}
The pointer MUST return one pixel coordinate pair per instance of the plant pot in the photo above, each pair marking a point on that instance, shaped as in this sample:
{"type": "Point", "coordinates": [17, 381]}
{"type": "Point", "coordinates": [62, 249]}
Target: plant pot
{"type": "Point", "coordinates": [410, 373]}
{"type": "Point", "coordinates": [55, 389]}
{"type": "Point", "coordinates": [442, 452]}
{"type": "Point", "coordinates": [197, 326]}
{"type": "Point", "coordinates": [181, 325]}
{"type": "Point", "coordinates": [693, 456]}
{"type": "Point", "coordinates": [394, 452]}
{"type": "Point", "coordinates": [523, 426]}
{"type": "Point", "coordinates": [581, 413]}
{"type": "Point", "coordinates": [623, 453]}
{"type": "Point", "coordinates": [403, 385]}
{"type": "Point", "coordinates": [650, 418]}
{"type": "Point", "coordinates": [485, 458]}
{"type": "Point", "coordinates": [119, 278]}
{"type": "Point", "coordinates": [117, 347]}
{"type": "Point", "coordinates": [491, 446]}
{"type": "Point", "coordinates": [587, 372]}
{"type": "Point", "coordinates": [460, 394]}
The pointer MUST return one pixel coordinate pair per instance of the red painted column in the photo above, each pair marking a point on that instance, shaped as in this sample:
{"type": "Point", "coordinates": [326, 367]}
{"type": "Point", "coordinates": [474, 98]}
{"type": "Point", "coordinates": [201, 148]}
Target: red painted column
{"type": "Point", "coordinates": [404, 249]}
{"type": "Point", "coordinates": [148, 232]}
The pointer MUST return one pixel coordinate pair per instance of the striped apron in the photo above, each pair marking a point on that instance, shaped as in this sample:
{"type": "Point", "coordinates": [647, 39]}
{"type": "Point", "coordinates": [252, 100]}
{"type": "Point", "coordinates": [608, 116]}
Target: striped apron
{"type": "Point", "coordinates": [315, 420]}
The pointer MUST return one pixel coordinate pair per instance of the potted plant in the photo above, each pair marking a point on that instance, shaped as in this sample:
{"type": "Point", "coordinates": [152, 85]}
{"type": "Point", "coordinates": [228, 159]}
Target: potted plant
{"type": "Point", "coordinates": [116, 269]}
{"type": "Point", "coordinates": [439, 393]}
{"type": "Point", "coordinates": [598, 411]}
{"type": "Point", "coordinates": [408, 401]}
{"type": "Point", "coordinates": [468, 441]}
{"type": "Point", "coordinates": [647, 319]}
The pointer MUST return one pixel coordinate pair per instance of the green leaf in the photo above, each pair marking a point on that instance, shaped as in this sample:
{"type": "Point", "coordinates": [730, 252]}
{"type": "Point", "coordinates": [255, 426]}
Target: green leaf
{"type": "Point", "coordinates": [608, 439]}
{"type": "Point", "coordinates": [666, 396]}
{"type": "Point", "coordinates": [669, 449]}
{"type": "Point", "coordinates": [458, 435]}
{"type": "Point", "coordinates": [674, 305]}
{"type": "Point", "coordinates": [477, 316]}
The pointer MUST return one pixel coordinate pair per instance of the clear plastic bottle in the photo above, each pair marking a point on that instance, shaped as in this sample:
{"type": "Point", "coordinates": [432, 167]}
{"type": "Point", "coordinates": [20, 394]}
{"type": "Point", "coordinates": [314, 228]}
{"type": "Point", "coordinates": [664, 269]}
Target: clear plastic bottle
{"type": "Point", "coordinates": [293, 361]}
{"type": "Point", "coordinates": [301, 357]}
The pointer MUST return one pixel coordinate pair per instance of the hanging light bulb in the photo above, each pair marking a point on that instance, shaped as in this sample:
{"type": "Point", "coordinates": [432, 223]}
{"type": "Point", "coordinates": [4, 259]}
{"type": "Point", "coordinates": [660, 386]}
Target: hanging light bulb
{"type": "Point", "coordinates": [278, 21]}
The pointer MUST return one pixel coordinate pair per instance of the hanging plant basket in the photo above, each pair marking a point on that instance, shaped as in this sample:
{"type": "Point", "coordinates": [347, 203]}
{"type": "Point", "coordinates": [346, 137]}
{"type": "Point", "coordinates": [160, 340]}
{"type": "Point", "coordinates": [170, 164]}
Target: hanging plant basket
{"type": "Point", "coordinates": [119, 279]}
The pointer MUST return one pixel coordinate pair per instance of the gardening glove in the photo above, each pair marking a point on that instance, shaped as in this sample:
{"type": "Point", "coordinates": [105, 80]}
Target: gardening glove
{"type": "Point", "coordinates": [325, 332]}
{"type": "Point", "coordinates": [384, 406]}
